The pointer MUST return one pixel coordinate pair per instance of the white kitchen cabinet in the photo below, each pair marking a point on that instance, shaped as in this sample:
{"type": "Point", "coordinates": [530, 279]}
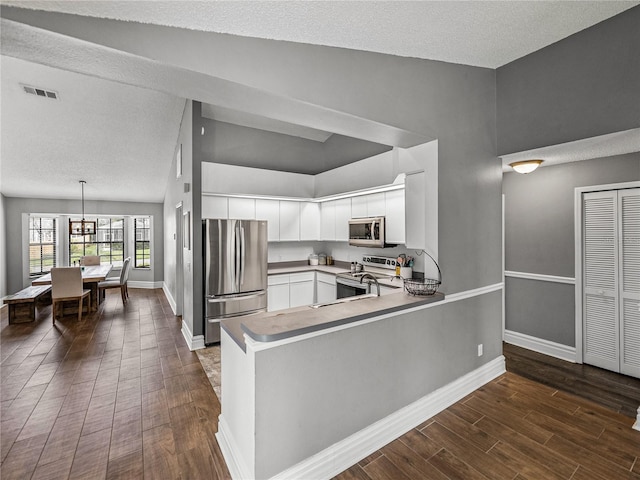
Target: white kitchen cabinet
{"type": "Point", "coordinates": [328, 221]}
{"type": "Point", "coordinates": [269, 210]}
{"type": "Point", "coordinates": [289, 221]}
{"type": "Point", "coordinates": [242, 208]}
{"type": "Point", "coordinates": [359, 206]}
{"type": "Point", "coordinates": [309, 221]}
{"type": "Point", "coordinates": [343, 215]}
{"type": "Point", "coordinates": [325, 287]}
{"type": "Point", "coordinates": [375, 204]}
{"type": "Point", "coordinates": [277, 292]}
{"type": "Point", "coordinates": [394, 216]}
{"type": "Point", "coordinates": [415, 210]}
{"type": "Point", "coordinates": [301, 289]}
{"type": "Point", "coordinates": [215, 207]}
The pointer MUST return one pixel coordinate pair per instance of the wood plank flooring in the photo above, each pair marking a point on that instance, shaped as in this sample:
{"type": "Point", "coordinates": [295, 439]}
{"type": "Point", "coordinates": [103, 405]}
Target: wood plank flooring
{"type": "Point", "coordinates": [119, 395]}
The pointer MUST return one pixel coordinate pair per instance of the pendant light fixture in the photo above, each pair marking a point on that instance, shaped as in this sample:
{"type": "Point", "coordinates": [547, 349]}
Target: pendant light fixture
{"type": "Point", "coordinates": [526, 166]}
{"type": "Point", "coordinates": [83, 227]}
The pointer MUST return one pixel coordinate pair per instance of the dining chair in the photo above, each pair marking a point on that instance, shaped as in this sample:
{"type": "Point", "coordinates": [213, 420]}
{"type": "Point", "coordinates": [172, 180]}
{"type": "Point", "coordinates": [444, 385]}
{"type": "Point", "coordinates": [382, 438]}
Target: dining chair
{"type": "Point", "coordinates": [119, 282]}
{"type": "Point", "coordinates": [66, 285]}
{"type": "Point", "coordinates": [90, 260]}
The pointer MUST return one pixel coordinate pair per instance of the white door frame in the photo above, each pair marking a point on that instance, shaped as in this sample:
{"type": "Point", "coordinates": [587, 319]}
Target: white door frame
{"type": "Point", "coordinates": [179, 293]}
{"type": "Point", "coordinates": [577, 206]}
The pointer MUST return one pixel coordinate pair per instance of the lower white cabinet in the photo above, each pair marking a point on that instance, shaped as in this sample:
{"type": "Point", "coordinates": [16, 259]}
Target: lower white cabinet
{"type": "Point", "coordinates": [325, 287]}
{"type": "Point", "coordinates": [301, 289]}
{"type": "Point", "coordinates": [277, 292]}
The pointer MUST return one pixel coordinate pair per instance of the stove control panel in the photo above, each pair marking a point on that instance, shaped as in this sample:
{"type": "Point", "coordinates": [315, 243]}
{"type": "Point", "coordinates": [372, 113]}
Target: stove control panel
{"type": "Point", "coordinates": [380, 262]}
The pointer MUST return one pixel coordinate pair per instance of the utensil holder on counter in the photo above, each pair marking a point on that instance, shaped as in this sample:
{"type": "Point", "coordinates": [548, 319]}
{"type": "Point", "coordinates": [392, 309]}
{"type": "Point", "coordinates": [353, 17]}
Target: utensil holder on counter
{"type": "Point", "coordinates": [406, 273]}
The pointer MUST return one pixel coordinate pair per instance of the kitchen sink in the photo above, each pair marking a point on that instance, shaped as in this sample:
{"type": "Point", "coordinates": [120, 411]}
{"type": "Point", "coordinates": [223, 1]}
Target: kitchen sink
{"type": "Point", "coordinates": [344, 300]}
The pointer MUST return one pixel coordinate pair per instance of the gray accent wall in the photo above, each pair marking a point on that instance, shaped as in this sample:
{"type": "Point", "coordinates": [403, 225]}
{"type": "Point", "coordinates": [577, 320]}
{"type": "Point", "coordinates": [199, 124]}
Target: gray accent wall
{"type": "Point", "coordinates": [540, 239]}
{"type": "Point", "coordinates": [3, 249]}
{"type": "Point", "coordinates": [17, 270]}
{"type": "Point", "coordinates": [580, 87]}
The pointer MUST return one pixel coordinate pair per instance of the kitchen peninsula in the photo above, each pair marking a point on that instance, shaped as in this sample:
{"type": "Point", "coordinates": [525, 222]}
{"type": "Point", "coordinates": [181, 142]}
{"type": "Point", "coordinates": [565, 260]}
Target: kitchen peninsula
{"type": "Point", "coordinates": [370, 368]}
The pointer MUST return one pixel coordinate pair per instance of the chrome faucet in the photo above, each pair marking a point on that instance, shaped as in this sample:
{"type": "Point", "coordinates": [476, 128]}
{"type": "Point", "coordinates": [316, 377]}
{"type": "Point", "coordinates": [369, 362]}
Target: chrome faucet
{"type": "Point", "coordinates": [368, 275]}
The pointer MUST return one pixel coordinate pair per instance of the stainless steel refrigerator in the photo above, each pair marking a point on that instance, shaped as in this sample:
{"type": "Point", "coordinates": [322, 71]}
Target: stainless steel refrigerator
{"type": "Point", "coordinates": [235, 271]}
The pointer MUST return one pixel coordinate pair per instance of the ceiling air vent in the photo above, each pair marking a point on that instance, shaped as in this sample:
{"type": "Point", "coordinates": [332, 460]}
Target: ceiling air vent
{"type": "Point", "coordinates": [39, 92]}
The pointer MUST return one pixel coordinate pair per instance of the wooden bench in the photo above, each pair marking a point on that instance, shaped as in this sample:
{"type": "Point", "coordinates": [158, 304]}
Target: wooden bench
{"type": "Point", "coordinates": [22, 305]}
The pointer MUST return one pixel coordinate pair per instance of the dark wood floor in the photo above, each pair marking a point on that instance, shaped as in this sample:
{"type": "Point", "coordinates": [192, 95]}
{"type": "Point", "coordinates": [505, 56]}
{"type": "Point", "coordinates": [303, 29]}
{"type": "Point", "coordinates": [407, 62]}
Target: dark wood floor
{"type": "Point", "coordinates": [120, 396]}
{"type": "Point", "coordinates": [620, 393]}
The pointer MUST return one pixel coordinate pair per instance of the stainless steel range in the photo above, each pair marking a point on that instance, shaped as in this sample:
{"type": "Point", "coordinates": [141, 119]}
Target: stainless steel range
{"type": "Point", "coordinates": [350, 284]}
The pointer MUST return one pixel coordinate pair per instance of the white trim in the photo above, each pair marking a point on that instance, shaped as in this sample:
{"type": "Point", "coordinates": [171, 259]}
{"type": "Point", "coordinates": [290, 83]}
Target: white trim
{"type": "Point", "coordinates": [577, 228]}
{"type": "Point", "coordinates": [144, 284]}
{"type": "Point", "coordinates": [557, 350]}
{"type": "Point", "coordinates": [328, 198]}
{"type": "Point", "coordinates": [236, 466]}
{"type": "Point", "coordinates": [257, 346]}
{"type": "Point", "coordinates": [541, 277]}
{"type": "Point", "coordinates": [504, 262]}
{"type": "Point", "coordinates": [636, 426]}
{"type": "Point", "coordinates": [345, 453]}
{"type": "Point", "coordinates": [193, 342]}
{"type": "Point", "coordinates": [170, 299]}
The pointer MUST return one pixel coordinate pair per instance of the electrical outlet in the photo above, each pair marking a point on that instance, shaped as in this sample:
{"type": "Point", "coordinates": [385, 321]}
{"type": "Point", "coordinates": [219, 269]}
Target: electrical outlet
{"type": "Point", "coordinates": [480, 350]}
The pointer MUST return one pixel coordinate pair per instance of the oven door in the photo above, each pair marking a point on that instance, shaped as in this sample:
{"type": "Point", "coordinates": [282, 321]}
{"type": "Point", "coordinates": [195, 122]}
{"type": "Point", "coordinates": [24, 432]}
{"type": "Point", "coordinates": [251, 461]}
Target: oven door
{"type": "Point", "coordinates": [351, 288]}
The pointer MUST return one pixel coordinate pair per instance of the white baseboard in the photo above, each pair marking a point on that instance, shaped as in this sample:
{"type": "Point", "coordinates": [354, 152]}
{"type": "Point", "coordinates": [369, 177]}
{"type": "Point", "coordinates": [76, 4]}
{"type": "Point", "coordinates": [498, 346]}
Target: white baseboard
{"type": "Point", "coordinates": [557, 350]}
{"type": "Point", "coordinates": [636, 426]}
{"type": "Point", "coordinates": [342, 455]}
{"type": "Point", "coordinates": [193, 342]}
{"type": "Point", "coordinates": [170, 299]}
{"type": "Point", "coordinates": [144, 284]}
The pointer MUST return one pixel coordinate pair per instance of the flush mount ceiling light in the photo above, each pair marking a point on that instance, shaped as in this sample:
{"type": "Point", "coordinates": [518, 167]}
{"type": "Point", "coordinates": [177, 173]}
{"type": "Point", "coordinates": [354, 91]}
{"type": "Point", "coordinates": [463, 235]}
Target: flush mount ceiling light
{"type": "Point", "coordinates": [526, 166]}
{"type": "Point", "coordinates": [83, 227]}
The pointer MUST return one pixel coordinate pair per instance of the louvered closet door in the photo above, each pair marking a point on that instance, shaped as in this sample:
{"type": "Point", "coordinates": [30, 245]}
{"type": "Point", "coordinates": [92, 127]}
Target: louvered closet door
{"type": "Point", "coordinates": [629, 280]}
{"type": "Point", "coordinates": [600, 255]}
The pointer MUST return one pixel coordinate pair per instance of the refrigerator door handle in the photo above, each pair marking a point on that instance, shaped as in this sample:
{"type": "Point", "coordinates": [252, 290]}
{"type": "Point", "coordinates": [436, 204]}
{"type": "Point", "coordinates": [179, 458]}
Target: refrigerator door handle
{"type": "Point", "coordinates": [242, 255]}
{"type": "Point", "coordinates": [237, 247]}
{"type": "Point", "coordinates": [226, 298]}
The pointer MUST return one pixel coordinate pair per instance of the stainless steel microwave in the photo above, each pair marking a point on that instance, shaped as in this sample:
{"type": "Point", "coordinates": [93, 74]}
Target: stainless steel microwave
{"type": "Point", "coordinates": [367, 232]}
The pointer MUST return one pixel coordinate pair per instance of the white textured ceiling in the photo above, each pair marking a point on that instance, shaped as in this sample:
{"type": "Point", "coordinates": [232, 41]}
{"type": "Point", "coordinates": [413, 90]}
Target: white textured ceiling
{"type": "Point", "coordinates": [481, 33]}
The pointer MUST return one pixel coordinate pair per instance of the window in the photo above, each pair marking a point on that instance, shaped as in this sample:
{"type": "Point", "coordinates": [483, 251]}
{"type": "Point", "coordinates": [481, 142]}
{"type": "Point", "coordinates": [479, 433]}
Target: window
{"type": "Point", "coordinates": [142, 227]}
{"type": "Point", "coordinates": [42, 244]}
{"type": "Point", "coordinates": [108, 242]}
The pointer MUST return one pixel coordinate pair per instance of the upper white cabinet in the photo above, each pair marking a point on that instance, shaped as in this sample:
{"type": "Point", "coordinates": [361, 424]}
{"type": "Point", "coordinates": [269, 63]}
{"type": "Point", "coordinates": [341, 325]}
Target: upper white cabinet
{"type": "Point", "coordinates": [328, 220]}
{"type": "Point", "coordinates": [359, 206]}
{"type": "Point", "coordinates": [289, 221]}
{"type": "Point", "coordinates": [215, 207]}
{"type": "Point", "coordinates": [309, 221]}
{"type": "Point", "coordinates": [242, 208]}
{"type": "Point", "coordinates": [375, 204]}
{"type": "Point", "coordinates": [269, 210]}
{"type": "Point", "coordinates": [343, 215]}
{"type": "Point", "coordinates": [415, 210]}
{"type": "Point", "coordinates": [395, 216]}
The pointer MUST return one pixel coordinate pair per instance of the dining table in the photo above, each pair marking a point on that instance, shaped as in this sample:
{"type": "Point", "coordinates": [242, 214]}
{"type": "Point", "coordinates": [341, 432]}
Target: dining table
{"type": "Point", "coordinates": [91, 276]}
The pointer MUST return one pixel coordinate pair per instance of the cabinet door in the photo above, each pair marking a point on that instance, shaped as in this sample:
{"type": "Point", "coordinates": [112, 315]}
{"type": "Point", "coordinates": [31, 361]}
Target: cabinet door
{"type": "Point", "coordinates": [242, 208]}
{"type": "Point", "coordinates": [301, 289]}
{"type": "Point", "coordinates": [289, 221]}
{"type": "Point", "coordinates": [375, 204]}
{"type": "Point", "coordinates": [215, 207]}
{"type": "Point", "coordinates": [343, 214]}
{"type": "Point", "coordinates": [310, 221]}
{"type": "Point", "coordinates": [414, 211]}
{"type": "Point", "coordinates": [325, 287]}
{"type": "Point", "coordinates": [359, 206]}
{"type": "Point", "coordinates": [277, 292]}
{"type": "Point", "coordinates": [328, 221]}
{"type": "Point", "coordinates": [394, 216]}
{"type": "Point", "coordinates": [269, 210]}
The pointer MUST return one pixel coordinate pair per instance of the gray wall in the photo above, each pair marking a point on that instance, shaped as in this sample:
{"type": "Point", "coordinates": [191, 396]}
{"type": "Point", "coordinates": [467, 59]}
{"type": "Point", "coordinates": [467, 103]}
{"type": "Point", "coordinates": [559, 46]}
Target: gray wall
{"type": "Point", "coordinates": [3, 249]}
{"type": "Point", "coordinates": [250, 147]}
{"type": "Point", "coordinates": [539, 238]}
{"type": "Point", "coordinates": [583, 86]}
{"type": "Point", "coordinates": [15, 207]}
